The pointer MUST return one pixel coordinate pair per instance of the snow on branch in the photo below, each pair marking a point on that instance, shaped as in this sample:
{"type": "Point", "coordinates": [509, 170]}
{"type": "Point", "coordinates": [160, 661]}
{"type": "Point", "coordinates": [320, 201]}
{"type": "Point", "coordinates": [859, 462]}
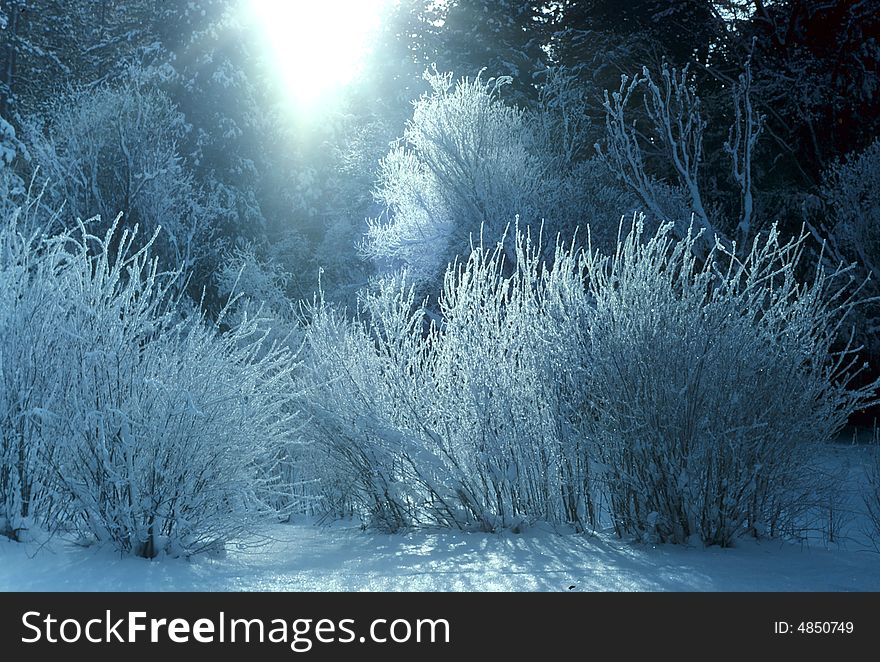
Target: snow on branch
{"type": "Point", "coordinates": [673, 110]}
{"type": "Point", "coordinates": [741, 143]}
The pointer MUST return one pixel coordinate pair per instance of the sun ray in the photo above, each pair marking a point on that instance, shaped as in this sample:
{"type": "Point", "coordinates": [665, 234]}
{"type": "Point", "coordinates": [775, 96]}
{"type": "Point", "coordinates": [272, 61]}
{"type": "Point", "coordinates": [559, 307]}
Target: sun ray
{"type": "Point", "coordinates": [318, 46]}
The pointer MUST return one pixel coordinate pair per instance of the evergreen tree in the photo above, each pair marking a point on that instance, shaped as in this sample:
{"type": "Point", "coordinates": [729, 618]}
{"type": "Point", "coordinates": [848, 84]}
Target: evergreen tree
{"type": "Point", "coordinates": [37, 42]}
{"type": "Point", "coordinates": [506, 37]}
{"type": "Point", "coordinates": [205, 61]}
{"type": "Point", "coordinates": [681, 30]}
{"type": "Point", "coordinates": [818, 65]}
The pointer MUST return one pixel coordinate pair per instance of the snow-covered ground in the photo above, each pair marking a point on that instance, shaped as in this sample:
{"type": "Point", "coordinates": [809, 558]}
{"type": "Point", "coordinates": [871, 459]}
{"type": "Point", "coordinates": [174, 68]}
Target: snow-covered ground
{"type": "Point", "coordinates": [342, 557]}
{"type": "Point", "coordinates": [311, 558]}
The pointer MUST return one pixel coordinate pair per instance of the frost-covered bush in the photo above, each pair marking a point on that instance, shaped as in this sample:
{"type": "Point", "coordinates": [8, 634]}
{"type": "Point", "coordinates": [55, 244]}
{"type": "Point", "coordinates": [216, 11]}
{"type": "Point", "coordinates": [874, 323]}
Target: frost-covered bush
{"type": "Point", "coordinates": [467, 161]}
{"type": "Point", "coordinates": [686, 397]}
{"type": "Point", "coordinates": [11, 185]}
{"type": "Point", "coordinates": [470, 423]}
{"type": "Point", "coordinates": [852, 192]}
{"type": "Point", "coordinates": [29, 307]}
{"type": "Point", "coordinates": [469, 165]}
{"type": "Point", "coordinates": [246, 276]}
{"type": "Point", "coordinates": [128, 417]}
{"type": "Point", "coordinates": [244, 271]}
{"type": "Point", "coordinates": [9, 144]}
{"type": "Point", "coordinates": [851, 227]}
{"type": "Point", "coordinates": [871, 495]}
{"type": "Point", "coordinates": [114, 149]}
{"type": "Point", "coordinates": [507, 369]}
{"type": "Point", "coordinates": [711, 384]}
{"type": "Point", "coordinates": [355, 424]}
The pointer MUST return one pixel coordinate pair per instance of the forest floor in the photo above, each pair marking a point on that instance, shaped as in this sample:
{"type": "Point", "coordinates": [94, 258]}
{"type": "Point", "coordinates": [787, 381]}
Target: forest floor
{"type": "Point", "coordinates": [305, 556]}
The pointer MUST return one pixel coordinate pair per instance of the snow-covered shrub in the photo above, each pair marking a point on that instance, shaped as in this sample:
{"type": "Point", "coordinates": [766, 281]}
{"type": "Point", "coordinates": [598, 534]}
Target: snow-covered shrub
{"type": "Point", "coordinates": [245, 272]}
{"type": "Point", "coordinates": [247, 276]}
{"type": "Point", "coordinates": [467, 161]}
{"type": "Point", "coordinates": [711, 384]}
{"type": "Point", "coordinates": [469, 165]}
{"type": "Point", "coordinates": [507, 370]}
{"type": "Point", "coordinates": [469, 422]}
{"type": "Point", "coordinates": [871, 495]}
{"type": "Point", "coordinates": [175, 429]}
{"type": "Point", "coordinates": [11, 185]}
{"type": "Point", "coordinates": [153, 430]}
{"type": "Point", "coordinates": [114, 150]}
{"type": "Point", "coordinates": [29, 309]}
{"type": "Point", "coordinates": [851, 228]}
{"type": "Point", "coordinates": [561, 117]}
{"type": "Point", "coordinates": [355, 425]}
{"type": "Point", "coordinates": [9, 144]}
{"type": "Point", "coordinates": [852, 192]}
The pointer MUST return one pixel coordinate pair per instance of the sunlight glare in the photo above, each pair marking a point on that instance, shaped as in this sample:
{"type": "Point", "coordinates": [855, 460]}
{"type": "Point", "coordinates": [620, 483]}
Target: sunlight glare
{"type": "Point", "coordinates": [318, 45]}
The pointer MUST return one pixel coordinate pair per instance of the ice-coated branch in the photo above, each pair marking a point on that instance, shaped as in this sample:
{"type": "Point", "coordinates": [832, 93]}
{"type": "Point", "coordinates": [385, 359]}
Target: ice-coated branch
{"type": "Point", "coordinates": [673, 109]}
{"type": "Point", "coordinates": [741, 142]}
{"type": "Point", "coordinates": [622, 151]}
